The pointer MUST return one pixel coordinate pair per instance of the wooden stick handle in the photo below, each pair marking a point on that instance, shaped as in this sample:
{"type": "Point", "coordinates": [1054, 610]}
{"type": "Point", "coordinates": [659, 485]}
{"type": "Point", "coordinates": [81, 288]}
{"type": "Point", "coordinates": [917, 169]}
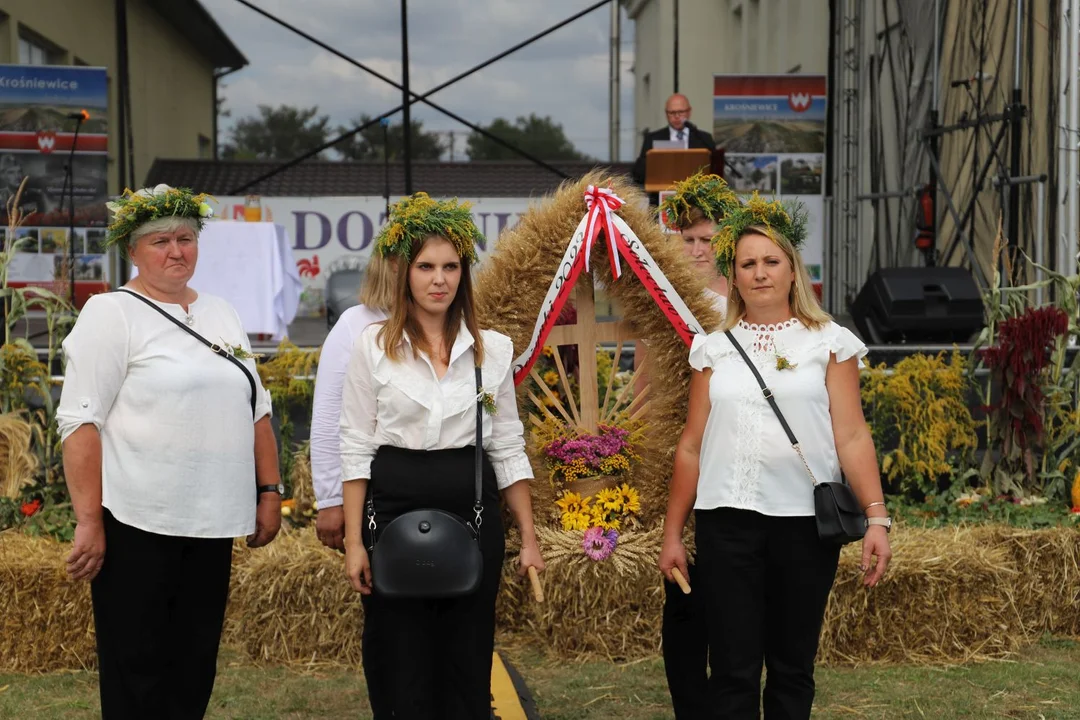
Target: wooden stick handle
{"type": "Point", "coordinates": [681, 581]}
{"type": "Point", "coordinates": [538, 591]}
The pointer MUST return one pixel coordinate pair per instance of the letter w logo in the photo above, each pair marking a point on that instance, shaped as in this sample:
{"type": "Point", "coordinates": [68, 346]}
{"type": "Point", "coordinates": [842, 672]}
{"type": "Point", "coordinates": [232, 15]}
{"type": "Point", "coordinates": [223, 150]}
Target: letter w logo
{"type": "Point", "coordinates": [46, 141]}
{"type": "Point", "coordinates": [799, 102]}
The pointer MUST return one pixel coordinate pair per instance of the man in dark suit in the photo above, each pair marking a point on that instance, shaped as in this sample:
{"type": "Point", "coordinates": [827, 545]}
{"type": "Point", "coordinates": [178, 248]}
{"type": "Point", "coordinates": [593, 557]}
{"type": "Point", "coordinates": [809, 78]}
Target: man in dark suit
{"type": "Point", "coordinates": [679, 129]}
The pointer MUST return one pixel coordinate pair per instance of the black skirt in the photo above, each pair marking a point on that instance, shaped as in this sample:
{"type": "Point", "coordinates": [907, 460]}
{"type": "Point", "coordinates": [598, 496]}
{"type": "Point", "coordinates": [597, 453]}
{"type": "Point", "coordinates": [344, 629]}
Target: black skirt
{"type": "Point", "coordinates": [432, 658]}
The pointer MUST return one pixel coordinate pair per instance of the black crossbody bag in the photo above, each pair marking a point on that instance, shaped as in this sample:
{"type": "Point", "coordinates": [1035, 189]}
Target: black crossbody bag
{"type": "Point", "coordinates": [214, 347]}
{"type": "Point", "coordinates": [839, 518]}
{"type": "Point", "coordinates": [430, 553]}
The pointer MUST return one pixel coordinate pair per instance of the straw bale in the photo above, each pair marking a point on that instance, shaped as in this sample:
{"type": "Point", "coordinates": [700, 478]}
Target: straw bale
{"type": "Point", "coordinates": [951, 595]}
{"type": "Point", "coordinates": [1048, 590]}
{"type": "Point", "coordinates": [947, 597]}
{"type": "Point", "coordinates": [46, 622]}
{"type": "Point", "coordinates": [17, 463]}
{"type": "Point", "coordinates": [291, 602]}
{"type": "Point", "coordinates": [514, 280]}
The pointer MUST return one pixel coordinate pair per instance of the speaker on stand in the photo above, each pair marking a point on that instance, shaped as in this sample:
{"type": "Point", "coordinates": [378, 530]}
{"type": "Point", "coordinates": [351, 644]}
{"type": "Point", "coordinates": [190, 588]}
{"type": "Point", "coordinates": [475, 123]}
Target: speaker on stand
{"type": "Point", "coordinates": [918, 304]}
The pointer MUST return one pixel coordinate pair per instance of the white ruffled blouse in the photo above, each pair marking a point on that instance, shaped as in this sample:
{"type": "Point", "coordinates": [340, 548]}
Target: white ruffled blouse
{"type": "Point", "coordinates": [406, 405]}
{"type": "Point", "coordinates": [746, 459]}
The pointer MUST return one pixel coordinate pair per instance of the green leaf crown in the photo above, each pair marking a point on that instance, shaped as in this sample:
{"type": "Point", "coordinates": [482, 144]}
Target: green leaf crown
{"type": "Point", "coordinates": [784, 218]}
{"type": "Point", "coordinates": [416, 217]}
{"type": "Point", "coordinates": [133, 209]}
{"type": "Point", "coordinates": [708, 193]}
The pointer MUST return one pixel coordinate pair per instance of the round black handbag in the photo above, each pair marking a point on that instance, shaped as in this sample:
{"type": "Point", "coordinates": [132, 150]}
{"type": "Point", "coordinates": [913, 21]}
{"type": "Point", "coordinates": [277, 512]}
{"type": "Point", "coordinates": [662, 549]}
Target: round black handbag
{"type": "Point", "coordinates": [430, 553]}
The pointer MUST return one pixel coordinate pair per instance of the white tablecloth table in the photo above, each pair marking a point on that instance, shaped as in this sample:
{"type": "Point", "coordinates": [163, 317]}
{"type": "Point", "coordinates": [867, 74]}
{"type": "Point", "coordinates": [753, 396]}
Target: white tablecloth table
{"type": "Point", "coordinates": [251, 265]}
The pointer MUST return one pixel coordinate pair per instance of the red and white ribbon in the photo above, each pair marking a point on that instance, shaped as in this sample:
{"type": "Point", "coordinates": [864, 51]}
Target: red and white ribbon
{"type": "Point", "coordinates": [600, 203]}
{"type": "Point", "coordinates": [621, 241]}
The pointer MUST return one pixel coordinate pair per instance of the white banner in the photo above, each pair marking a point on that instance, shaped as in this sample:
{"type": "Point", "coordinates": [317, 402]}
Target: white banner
{"type": "Point", "coordinates": [333, 233]}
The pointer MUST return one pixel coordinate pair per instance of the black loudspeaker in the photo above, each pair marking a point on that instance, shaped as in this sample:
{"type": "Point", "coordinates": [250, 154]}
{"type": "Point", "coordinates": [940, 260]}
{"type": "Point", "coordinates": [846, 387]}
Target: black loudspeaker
{"type": "Point", "coordinates": [918, 304]}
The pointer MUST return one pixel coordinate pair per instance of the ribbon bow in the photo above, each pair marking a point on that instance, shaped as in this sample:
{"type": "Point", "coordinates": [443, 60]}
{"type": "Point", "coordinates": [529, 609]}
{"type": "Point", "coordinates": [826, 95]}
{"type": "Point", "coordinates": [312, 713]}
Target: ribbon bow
{"type": "Point", "coordinates": [600, 203]}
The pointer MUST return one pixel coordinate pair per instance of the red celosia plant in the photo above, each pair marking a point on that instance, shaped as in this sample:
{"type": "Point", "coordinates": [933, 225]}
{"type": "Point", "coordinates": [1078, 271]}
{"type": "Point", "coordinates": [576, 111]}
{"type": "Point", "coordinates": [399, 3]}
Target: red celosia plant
{"type": "Point", "coordinates": [1024, 350]}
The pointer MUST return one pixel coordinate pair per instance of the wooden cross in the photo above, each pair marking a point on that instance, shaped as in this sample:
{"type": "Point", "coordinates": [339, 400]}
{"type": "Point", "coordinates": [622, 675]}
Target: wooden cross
{"type": "Point", "coordinates": [584, 335]}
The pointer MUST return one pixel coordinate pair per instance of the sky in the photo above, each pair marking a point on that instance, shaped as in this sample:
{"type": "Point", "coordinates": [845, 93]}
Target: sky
{"type": "Point", "coordinates": [564, 75]}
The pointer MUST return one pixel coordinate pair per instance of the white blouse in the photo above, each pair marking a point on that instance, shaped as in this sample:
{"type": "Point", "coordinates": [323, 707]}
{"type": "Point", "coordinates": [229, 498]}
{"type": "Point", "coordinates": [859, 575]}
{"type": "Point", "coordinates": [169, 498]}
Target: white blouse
{"type": "Point", "coordinates": [406, 405]}
{"type": "Point", "coordinates": [746, 459]}
{"type": "Point", "coordinates": [719, 302]}
{"type": "Point", "coordinates": [177, 435]}
{"type": "Point", "coordinates": [326, 411]}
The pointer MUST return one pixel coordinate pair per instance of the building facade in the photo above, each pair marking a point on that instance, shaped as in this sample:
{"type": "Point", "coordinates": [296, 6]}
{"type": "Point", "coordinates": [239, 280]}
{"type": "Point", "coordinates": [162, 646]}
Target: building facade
{"type": "Point", "coordinates": [173, 51]}
{"type": "Point", "coordinates": [715, 37]}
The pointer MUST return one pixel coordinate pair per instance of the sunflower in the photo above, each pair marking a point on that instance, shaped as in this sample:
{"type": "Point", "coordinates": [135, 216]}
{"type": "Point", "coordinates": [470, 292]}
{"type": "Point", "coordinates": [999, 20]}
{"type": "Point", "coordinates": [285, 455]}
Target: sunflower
{"type": "Point", "coordinates": [628, 496]}
{"type": "Point", "coordinates": [609, 499]}
{"type": "Point", "coordinates": [572, 503]}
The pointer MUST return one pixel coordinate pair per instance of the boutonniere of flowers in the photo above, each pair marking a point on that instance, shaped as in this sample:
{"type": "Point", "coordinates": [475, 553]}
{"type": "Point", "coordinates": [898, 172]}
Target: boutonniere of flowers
{"type": "Point", "coordinates": [487, 401]}
{"type": "Point", "coordinates": [782, 363]}
{"type": "Point", "coordinates": [238, 352]}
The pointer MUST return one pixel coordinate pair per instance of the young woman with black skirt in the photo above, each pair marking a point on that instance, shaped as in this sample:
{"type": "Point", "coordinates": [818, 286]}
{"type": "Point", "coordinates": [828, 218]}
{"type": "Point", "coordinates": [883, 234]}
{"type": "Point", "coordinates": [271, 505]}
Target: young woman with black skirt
{"type": "Point", "coordinates": [408, 426]}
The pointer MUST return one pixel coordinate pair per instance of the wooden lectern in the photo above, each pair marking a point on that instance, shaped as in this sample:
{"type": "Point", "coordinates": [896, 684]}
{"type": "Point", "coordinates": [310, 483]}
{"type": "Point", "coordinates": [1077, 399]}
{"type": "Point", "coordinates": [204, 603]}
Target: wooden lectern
{"type": "Point", "coordinates": [664, 168]}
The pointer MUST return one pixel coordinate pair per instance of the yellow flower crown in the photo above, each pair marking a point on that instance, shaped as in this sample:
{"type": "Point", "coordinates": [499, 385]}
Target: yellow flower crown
{"type": "Point", "coordinates": [787, 219]}
{"type": "Point", "coordinates": [416, 217]}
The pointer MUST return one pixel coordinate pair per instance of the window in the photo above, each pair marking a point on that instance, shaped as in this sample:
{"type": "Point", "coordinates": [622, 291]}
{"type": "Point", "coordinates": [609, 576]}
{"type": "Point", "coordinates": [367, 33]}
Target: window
{"type": "Point", "coordinates": [30, 53]}
{"type": "Point", "coordinates": [36, 50]}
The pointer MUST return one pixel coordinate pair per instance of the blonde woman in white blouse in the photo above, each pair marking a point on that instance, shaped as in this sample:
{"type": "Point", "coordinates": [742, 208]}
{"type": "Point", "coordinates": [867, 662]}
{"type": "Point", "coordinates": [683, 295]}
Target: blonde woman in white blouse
{"type": "Point", "coordinates": [408, 433]}
{"type": "Point", "coordinates": [168, 455]}
{"type": "Point", "coordinates": [376, 296]}
{"type": "Point", "coordinates": [764, 575]}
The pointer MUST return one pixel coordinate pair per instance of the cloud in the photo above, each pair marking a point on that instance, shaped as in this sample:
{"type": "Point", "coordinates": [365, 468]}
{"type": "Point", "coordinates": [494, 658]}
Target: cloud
{"type": "Point", "coordinates": [564, 75]}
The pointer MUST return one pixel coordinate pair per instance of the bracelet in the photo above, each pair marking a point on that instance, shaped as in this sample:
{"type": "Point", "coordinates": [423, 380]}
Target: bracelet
{"type": "Point", "coordinates": [882, 504]}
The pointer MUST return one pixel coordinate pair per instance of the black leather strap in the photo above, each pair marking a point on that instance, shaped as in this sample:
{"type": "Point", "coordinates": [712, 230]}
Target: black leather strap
{"type": "Point", "coordinates": [478, 504]}
{"type": "Point", "coordinates": [214, 347]}
{"type": "Point", "coordinates": [764, 388]}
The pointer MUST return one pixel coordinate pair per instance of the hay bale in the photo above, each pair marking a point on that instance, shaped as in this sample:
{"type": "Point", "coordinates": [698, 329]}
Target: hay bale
{"type": "Point", "coordinates": [1048, 588]}
{"type": "Point", "coordinates": [46, 622]}
{"type": "Point", "coordinates": [291, 602]}
{"type": "Point", "coordinates": [951, 596]}
{"type": "Point", "coordinates": [946, 598]}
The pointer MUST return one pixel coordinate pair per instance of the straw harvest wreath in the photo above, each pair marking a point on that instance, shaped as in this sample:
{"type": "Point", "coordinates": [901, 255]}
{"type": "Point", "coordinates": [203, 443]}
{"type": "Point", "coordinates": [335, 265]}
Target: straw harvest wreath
{"type": "Point", "coordinates": [604, 491]}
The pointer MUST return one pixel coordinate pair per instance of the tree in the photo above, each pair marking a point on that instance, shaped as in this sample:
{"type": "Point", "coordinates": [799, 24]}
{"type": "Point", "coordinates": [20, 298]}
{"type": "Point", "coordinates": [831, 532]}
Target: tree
{"type": "Point", "coordinates": [281, 133]}
{"type": "Point", "coordinates": [538, 136]}
{"type": "Point", "coordinates": [368, 144]}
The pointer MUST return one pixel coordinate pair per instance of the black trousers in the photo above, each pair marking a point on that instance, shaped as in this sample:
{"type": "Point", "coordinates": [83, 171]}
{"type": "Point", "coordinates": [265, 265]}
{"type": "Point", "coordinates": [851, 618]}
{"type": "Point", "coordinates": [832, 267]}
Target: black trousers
{"type": "Point", "coordinates": [685, 645]}
{"type": "Point", "coordinates": [765, 582]}
{"type": "Point", "coordinates": [428, 659]}
{"type": "Point", "coordinates": [159, 604]}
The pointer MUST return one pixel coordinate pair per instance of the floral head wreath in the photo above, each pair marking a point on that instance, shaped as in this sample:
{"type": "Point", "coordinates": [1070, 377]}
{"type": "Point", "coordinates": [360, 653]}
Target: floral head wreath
{"type": "Point", "coordinates": [787, 219]}
{"type": "Point", "coordinates": [416, 217]}
{"type": "Point", "coordinates": [134, 209]}
{"type": "Point", "coordinates": [708, 193]}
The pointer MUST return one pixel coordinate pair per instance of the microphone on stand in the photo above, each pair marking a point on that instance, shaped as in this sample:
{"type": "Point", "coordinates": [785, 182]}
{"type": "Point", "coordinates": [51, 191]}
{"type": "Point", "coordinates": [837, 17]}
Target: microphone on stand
{"type": "Point", "coordinates": [69, 182]}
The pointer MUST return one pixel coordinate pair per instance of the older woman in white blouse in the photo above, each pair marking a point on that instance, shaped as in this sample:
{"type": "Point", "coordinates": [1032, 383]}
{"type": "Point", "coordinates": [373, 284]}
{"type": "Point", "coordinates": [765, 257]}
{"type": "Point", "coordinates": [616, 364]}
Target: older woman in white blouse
{"type": "Point", "coordinates": [408, 427]}
{"type": "Point", "coordinates": [168, 456]}
{"type": "Point", "coordinates": [764, 575]}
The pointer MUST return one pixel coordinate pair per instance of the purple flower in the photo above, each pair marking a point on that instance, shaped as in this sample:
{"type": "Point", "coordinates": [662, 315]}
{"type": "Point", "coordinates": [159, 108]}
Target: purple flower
{"type": "Point", "coordinates": [591, 449]}
{"type": "Point", "coordinates": [598, 545]}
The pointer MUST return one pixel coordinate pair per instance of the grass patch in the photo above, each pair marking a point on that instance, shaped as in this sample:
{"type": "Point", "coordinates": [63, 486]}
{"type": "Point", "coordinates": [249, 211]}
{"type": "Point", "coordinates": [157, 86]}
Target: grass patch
{"type": "Point", "coordinates": [1041, 682]}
